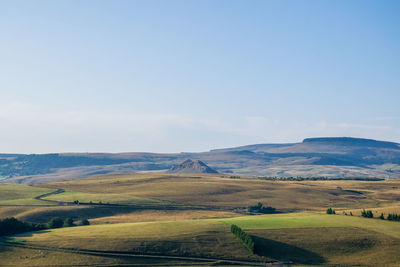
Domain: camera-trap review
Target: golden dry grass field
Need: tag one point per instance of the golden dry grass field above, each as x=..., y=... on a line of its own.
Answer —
x=190, y=215
x=218, y=191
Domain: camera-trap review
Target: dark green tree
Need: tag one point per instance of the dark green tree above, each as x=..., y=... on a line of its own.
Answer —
x=330, y=211
x=56, y=222
x=69, y=222
x=367, y=214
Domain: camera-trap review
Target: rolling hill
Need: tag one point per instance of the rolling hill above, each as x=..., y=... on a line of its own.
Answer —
x=333, y=157
x=191, y=166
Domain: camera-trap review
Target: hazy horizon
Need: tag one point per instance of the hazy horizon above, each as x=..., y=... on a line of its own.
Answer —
x=190, y=76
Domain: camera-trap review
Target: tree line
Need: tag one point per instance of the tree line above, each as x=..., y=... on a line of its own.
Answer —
x=390, y=216
x=243, y=237
x=322, y=178
x=393, y=217
x=11, y=226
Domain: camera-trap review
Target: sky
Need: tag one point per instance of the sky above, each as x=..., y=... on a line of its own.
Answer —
x=186, y=76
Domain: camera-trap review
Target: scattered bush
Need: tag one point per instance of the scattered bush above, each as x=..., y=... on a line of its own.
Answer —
x=243, y=237
x=382, y=217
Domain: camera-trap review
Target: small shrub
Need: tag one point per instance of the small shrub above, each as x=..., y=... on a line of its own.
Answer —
x=56, y=222
x=330, y=211
x=69, y=222
x=85, y=222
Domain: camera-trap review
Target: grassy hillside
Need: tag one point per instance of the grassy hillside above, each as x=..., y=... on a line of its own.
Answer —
x=312, y=220
x=319, y=239
x=163, y=215
x=219, y=191
x=194, y=237
x=21, y=257
x=303, y=238
x=191, y=214
x=337, y=246
x=11, y=194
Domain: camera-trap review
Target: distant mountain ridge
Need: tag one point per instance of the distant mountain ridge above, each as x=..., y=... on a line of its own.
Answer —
x=324, y=156
x=353, y=141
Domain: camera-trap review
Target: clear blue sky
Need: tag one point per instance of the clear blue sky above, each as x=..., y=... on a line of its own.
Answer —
x=171, y=76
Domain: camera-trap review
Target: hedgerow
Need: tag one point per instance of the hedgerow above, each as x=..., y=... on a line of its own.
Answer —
x=243, y=237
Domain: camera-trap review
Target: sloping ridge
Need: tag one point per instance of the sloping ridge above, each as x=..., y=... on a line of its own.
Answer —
x=191, y=166
x=351, y=141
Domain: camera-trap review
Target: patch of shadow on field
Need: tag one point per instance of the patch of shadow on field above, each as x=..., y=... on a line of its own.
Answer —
x=75, y=212
x=4, y=249
x=26, y=234
x=285, y=252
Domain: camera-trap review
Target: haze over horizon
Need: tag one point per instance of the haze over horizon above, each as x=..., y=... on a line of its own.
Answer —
x=177, y=76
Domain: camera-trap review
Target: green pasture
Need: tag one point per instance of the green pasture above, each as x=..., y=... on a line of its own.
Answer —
x=21, y=194
x=312, y=220
x=304, y=238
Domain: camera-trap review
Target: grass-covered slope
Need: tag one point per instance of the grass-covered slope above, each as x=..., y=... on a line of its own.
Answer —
x=299, y=237
x=324, y=239
x=312, y=220
x=201, y=238
x=22, y=257
x=210, y=190
x=190, y=215
x=12, y=194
